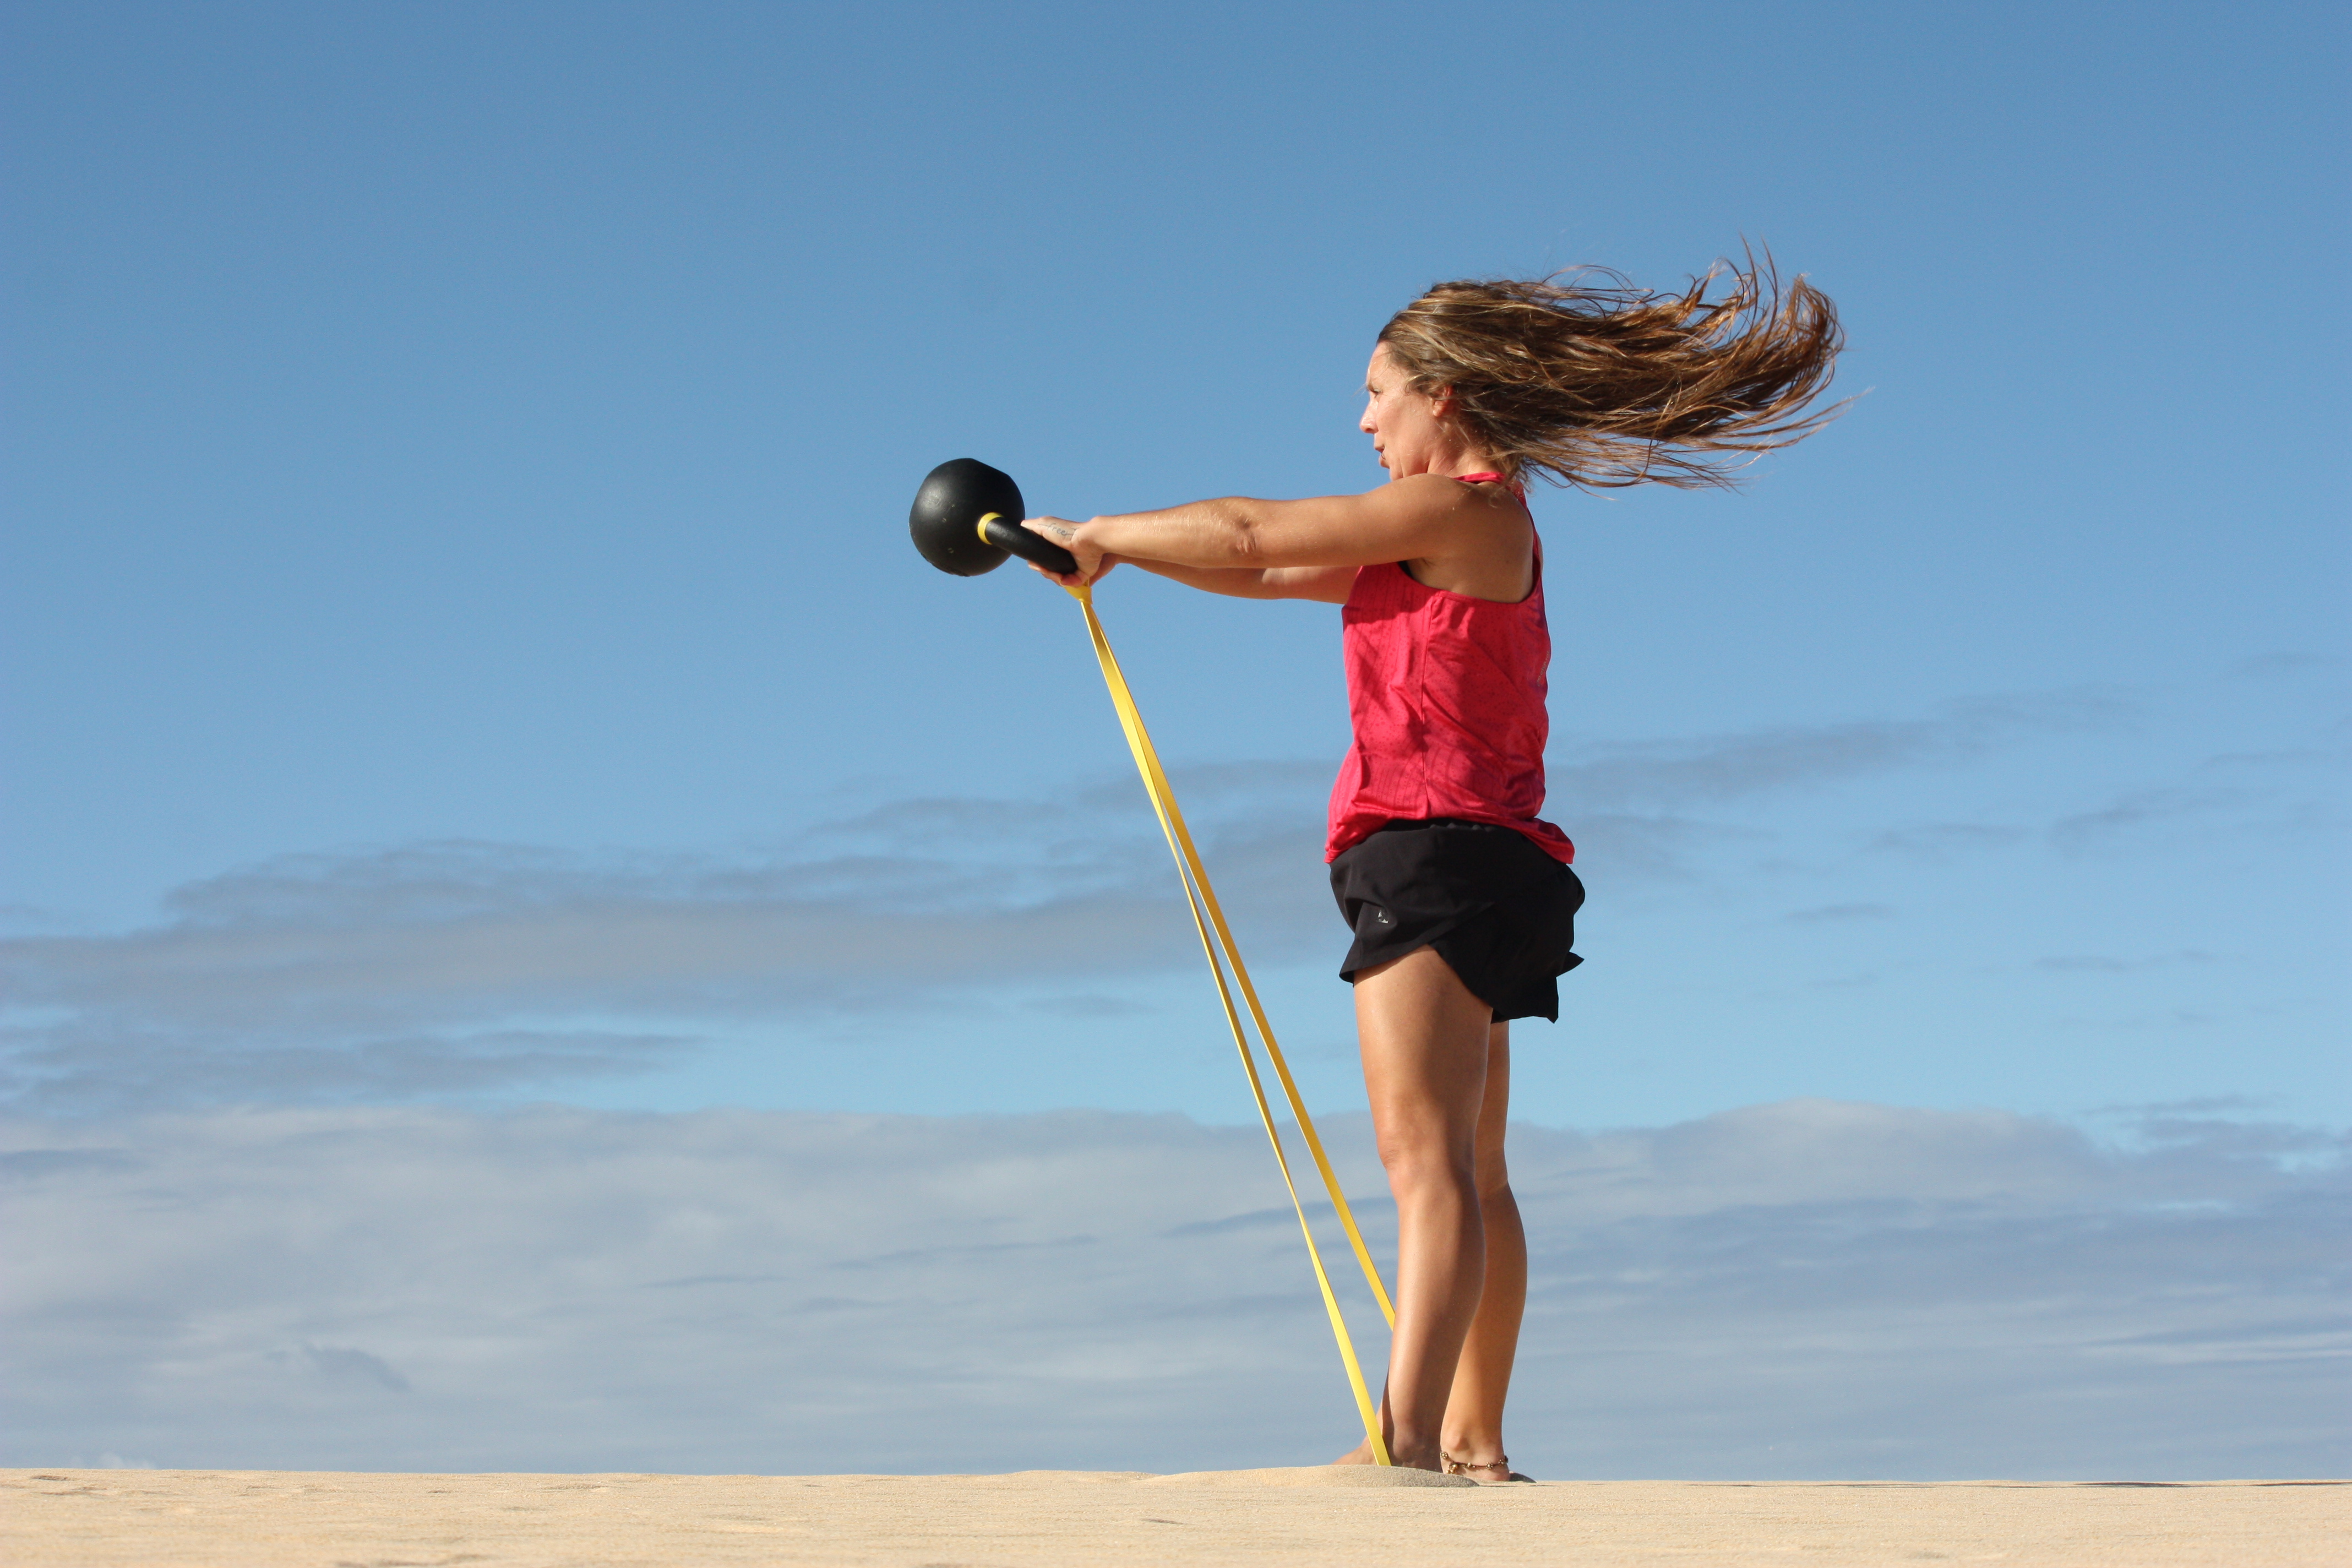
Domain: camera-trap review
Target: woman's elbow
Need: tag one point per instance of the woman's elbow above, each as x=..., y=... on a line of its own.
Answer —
x=1244, y=543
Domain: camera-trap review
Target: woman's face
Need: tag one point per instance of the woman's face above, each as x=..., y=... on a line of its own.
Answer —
x=1407, y=427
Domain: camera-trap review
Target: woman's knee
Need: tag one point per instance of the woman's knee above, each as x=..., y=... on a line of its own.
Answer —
x=1419, y=1165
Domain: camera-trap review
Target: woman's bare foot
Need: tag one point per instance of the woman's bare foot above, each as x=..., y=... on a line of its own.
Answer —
x=1362, y=1455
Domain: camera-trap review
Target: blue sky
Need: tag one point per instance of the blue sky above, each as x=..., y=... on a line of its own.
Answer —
x=462, y=652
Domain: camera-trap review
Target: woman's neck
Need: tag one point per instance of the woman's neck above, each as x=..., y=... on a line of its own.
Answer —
x=1465, y=464
x=1451, y=462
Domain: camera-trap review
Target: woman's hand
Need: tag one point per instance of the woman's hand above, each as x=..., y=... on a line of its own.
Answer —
x=1093, y=564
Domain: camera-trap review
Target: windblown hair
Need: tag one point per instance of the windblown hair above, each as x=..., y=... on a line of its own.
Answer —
x=1589, y=380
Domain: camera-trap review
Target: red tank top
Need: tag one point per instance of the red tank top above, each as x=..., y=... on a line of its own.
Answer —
x=1446, y=696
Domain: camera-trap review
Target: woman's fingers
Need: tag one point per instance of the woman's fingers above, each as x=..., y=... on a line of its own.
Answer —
x=1078, y=579
x=1067, y=534
x=1066, y=579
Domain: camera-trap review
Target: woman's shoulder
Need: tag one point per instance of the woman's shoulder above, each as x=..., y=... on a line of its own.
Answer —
x=1447, y=493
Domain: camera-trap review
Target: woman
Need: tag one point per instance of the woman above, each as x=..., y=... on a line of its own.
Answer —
x=1461, y=899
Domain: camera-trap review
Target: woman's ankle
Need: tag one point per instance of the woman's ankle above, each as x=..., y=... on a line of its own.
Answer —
x=1474, y=1450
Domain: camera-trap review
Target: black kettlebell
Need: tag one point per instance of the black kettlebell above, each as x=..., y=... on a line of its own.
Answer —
x=967, y=519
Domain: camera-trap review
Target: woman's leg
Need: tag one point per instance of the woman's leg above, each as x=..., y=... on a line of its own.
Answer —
x=1474, y=1414
x=1425, y=1040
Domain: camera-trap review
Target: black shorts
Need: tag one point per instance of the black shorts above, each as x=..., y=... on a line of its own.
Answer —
x=1500, y=911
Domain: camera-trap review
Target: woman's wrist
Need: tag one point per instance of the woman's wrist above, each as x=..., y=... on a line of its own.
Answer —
x=1097, y=534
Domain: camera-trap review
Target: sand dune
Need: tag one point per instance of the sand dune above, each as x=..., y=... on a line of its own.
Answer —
x=1299, y=1517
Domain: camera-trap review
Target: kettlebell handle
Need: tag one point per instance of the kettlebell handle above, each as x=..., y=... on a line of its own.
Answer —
x=1007, y=534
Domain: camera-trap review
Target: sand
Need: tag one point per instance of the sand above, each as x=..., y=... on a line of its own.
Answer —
x=1299, y=1517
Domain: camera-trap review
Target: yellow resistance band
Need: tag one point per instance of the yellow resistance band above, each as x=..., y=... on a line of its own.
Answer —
x=1208, y=917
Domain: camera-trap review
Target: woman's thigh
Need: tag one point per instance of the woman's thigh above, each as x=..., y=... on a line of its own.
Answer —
x=1426, y=1044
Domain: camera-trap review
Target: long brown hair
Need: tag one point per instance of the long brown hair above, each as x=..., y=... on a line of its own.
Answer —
x=1589, y=381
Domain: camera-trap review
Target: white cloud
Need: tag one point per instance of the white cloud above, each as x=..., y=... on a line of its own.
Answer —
x=2273, y=666
x=1714, y=768
x=1806, y=1289
x=466, y=968
x=2102, y=963
x=2138, y=809
x=1943, y=841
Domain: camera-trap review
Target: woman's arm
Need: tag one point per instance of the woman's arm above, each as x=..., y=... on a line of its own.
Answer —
x=1421, y=518
x=1328, y=584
